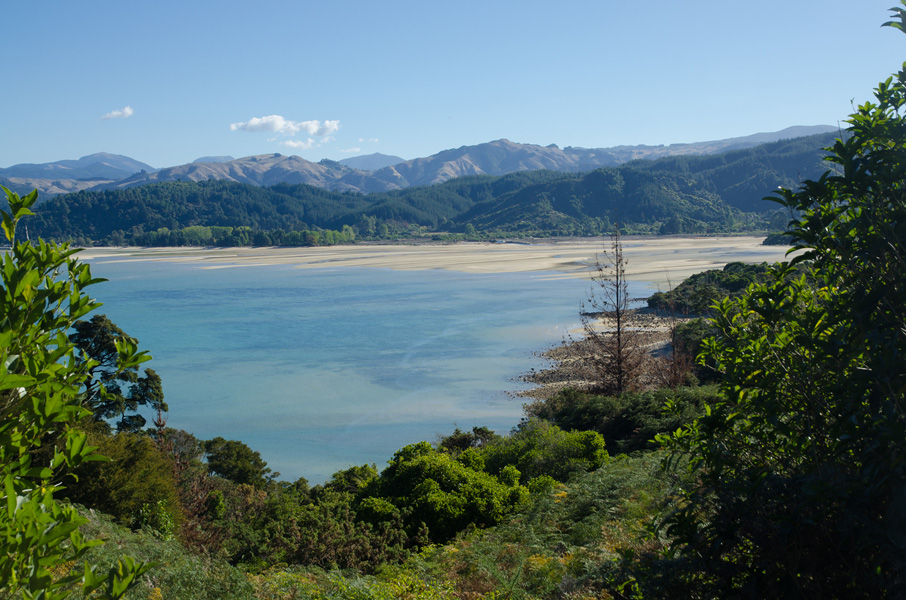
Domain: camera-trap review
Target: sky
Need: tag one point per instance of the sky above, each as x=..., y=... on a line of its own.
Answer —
x=168, y=82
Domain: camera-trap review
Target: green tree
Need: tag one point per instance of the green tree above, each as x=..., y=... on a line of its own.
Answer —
x=42, y=382
x=444, y=494
x=107, y=393
x=800, y=472
x=459, y=440
x=233, y=460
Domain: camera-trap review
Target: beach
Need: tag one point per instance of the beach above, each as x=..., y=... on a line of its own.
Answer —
x=664, y=261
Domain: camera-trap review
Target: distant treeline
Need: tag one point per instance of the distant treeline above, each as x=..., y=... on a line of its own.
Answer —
x=200, y=235
x=687, y=194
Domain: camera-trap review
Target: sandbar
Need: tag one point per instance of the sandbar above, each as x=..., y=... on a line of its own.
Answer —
x=665, y=261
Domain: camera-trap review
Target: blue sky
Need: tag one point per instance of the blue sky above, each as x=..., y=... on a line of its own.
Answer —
x=167, y=82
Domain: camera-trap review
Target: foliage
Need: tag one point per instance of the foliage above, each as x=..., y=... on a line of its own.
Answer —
x=179, y=573
x=691, y=335
x=390, y=583
x=628, y=423
x=740, y=177
x=282, y=526
x=459, y=441
x=137, y=475
x=538, y=448
x=800, y=472
x=696, y=294
x=778, y=238
x=107, y=396
x=41, y=383
x=564, y=544
x=237, y=462
x=434, y=490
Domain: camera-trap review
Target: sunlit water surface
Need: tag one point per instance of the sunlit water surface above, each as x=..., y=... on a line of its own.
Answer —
x=320, y=369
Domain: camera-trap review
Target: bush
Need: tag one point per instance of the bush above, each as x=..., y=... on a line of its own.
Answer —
x=137, y=476
x=434, y=489
x=629, y=423
x=539, y=448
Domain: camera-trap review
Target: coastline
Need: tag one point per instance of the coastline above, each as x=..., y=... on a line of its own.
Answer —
x=664, y=261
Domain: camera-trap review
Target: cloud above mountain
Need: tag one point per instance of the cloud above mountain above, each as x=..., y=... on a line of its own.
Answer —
x=283, y=126
x=122, y=113
x=298, y=144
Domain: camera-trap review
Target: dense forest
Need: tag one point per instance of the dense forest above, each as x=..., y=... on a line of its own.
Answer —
x=693, y=194
x=782, y=476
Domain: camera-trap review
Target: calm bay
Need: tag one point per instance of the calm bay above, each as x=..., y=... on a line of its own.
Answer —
x=323, y=368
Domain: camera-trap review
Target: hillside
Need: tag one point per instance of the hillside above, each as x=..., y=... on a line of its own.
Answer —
x=691, y=194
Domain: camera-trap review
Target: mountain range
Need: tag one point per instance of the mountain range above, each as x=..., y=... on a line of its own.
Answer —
x=363, y=174
x=720, y=192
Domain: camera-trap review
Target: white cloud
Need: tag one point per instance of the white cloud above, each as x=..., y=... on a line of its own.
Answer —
x=119, y=114
x=348, y=150
x=329, y=127
x=299, y=145
x=283, y=126
x=368, y=140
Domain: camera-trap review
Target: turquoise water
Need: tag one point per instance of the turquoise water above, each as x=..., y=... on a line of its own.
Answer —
x=320, y=369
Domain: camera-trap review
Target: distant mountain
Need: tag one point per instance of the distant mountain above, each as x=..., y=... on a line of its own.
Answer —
x=628, y=153
x=213, y=159
x=365, y=174
x=493, y=158
x=264, y=170
x=47, y=188
x=371, y=162
x=65, y=176
x=93, y=166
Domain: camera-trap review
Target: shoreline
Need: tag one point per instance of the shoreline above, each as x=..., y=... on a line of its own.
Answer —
x=567, y=361
x=663, y=261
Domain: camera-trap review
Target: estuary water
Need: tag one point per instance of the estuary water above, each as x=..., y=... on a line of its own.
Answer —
x=321, y=369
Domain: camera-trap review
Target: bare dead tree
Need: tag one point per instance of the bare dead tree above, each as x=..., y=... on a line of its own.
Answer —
x=613, y=345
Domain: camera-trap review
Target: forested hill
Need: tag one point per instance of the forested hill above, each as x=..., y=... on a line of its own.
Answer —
x=741, y=177
x=670, y=195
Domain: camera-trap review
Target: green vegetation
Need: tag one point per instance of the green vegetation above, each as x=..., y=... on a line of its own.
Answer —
x=106, y=394
x=40, y=411
x=798, y=470
x=696, y=294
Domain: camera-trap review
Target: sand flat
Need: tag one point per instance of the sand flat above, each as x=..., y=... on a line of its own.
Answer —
x=662, y=260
